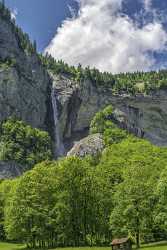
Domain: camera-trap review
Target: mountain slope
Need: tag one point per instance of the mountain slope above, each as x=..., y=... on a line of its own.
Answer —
x=24, y=83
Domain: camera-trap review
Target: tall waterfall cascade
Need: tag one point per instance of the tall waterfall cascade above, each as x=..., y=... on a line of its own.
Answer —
x=59, y=147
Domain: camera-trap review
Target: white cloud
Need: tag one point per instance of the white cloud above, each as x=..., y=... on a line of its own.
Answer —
x=147, y=4
x=14, y=13
x=101, y=36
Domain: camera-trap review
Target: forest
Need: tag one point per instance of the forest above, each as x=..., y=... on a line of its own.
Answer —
x=23, y=144
x=87, y=201
x=122, y=83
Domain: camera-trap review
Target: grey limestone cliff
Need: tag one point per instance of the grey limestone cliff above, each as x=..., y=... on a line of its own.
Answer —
x=90, y=145
x=10, y=170
x=145, y=116
x=24, y=85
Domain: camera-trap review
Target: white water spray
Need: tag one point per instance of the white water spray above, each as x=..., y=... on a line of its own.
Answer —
x=59, y=147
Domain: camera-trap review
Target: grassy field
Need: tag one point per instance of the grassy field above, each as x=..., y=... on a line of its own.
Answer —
x=7, y=246
x=160, y=246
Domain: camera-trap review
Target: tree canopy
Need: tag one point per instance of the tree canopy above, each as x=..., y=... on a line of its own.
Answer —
x=103, y=123
x=23, y=144
x=76, y=202
x=122, y=83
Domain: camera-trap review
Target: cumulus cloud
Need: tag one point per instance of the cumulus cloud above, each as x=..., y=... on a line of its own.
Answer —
x=14, y=13
x=102, y=36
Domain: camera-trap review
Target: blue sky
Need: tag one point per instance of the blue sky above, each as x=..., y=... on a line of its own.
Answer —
x=112, y=35
x=40, y=18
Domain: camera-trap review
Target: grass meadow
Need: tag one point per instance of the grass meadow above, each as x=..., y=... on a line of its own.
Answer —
x=155, y=246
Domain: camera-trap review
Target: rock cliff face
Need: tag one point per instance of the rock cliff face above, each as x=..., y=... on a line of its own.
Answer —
x=90, y=145
x=24, y=86
x=10, y=170
x=145, y=116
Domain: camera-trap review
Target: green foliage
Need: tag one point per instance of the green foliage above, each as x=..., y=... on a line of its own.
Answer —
x=102, y=123
x=76, y=202
x=129, y=83
x=29, y=214
x=160, y=213
x=59, y=67
x=114, y=135
x=8, y=62
x=5, y=188
x=53, y=204
x=134, y=197
x=23, y=144
x=102, y=120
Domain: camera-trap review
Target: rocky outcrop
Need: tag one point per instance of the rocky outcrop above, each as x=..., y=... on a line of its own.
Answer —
x=91, y=145
x=10, y=170
x=24, y=85
x=145, y=116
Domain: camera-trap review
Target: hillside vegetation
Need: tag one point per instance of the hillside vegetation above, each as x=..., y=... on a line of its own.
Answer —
x=23, y=144
x=78, y=202
x=131, y=83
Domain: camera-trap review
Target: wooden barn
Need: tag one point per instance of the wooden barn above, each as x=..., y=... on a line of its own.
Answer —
x=122, y=244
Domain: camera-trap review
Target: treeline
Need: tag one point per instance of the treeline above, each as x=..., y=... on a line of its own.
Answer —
x=89, y=201
x=131, y=83
x=23, y=38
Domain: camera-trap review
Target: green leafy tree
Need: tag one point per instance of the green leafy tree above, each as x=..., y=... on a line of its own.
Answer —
x=114, y=135
x=29, y=212
x=5, y=191
x=21, y=143
x=134, y=197
x=161, y=208
x=129, y=83
x=102, y=120
x=102, y=123
x=78, y=202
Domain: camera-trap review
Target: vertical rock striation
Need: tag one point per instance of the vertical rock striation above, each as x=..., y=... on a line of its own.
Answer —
x=144, y=116
x=24, y=83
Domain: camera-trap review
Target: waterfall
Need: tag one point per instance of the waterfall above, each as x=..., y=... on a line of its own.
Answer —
x=59, y=147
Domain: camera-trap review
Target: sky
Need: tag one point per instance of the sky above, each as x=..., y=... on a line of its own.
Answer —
x=40, y=18
x=112, y=35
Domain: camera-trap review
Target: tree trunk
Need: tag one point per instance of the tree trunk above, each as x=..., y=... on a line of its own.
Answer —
x=137, y=233
x=137, y=240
